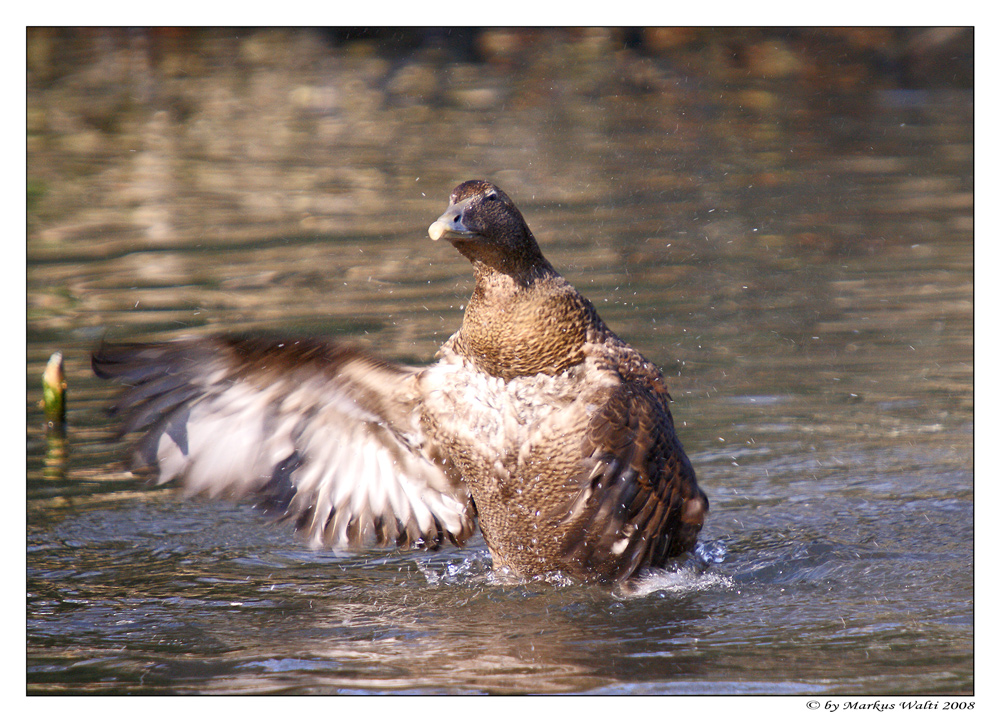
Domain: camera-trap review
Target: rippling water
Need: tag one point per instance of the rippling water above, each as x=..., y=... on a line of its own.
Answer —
x=809, y=294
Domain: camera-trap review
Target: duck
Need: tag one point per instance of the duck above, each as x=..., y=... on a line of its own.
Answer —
x=535, y=423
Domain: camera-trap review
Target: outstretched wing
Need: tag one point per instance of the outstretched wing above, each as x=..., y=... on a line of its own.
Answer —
x=319, y=433
x=639, y=503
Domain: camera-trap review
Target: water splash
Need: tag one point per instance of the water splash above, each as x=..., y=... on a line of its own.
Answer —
x=472, y=568
x=689, y=575
x=708, y=553
x=676, y=581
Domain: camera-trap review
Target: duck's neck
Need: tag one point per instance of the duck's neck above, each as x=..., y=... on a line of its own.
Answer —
x=525, y=325
x=494, y=283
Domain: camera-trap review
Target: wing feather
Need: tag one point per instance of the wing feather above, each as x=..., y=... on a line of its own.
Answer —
x=319, y=433
x=638, y=502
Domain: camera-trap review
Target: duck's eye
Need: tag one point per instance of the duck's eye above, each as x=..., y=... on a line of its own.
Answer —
x=491, y=196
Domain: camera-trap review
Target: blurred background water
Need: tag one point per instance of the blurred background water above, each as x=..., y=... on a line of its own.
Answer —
x=782, y=219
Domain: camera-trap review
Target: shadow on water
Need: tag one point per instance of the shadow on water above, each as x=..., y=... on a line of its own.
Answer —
x=798, y=260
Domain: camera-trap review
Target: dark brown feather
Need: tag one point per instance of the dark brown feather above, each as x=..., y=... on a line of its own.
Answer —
x=636, y=491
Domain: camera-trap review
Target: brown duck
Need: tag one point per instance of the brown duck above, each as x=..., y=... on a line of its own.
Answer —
x=536, y=419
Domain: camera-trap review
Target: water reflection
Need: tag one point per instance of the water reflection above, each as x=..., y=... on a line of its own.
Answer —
x=372, y=623
x=799, y=262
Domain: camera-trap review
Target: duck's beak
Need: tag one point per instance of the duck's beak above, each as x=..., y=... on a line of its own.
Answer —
x=450, y=225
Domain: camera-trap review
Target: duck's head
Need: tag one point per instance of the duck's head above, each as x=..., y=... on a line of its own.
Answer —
x=486, y=227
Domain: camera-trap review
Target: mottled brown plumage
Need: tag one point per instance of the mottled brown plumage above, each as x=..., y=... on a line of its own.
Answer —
x=536, y=419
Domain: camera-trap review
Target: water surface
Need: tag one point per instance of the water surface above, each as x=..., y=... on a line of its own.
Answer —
x=804, y=280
